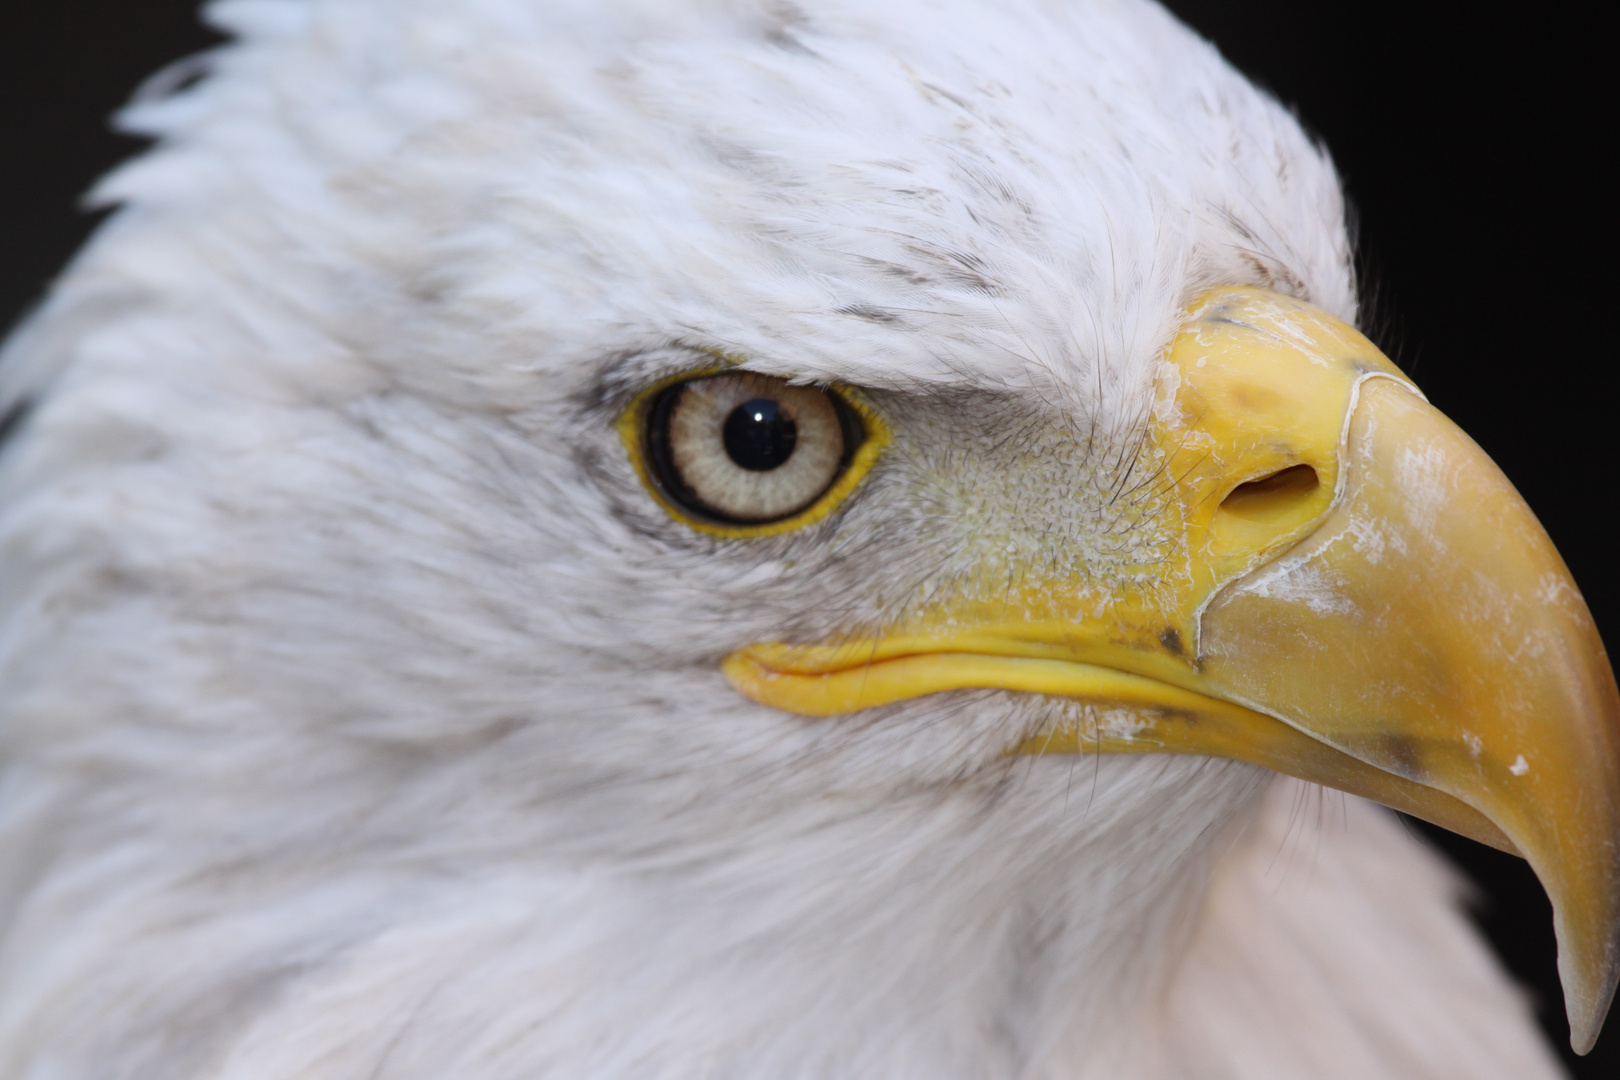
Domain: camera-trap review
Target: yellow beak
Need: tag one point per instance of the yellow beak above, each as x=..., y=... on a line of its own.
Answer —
x=1358, y=598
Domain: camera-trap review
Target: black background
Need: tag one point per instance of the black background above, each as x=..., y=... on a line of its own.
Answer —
x=1470, y=148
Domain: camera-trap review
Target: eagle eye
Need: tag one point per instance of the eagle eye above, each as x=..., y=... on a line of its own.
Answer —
x=742, y=449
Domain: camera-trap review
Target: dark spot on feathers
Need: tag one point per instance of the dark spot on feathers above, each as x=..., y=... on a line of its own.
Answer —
x=13, y=420
x=969, y=261
x=960, y=268
x=940, y=91
x=1273, y=275
x=895, y=270
x=871, y=314
x=787, y=20
x=1237, y=224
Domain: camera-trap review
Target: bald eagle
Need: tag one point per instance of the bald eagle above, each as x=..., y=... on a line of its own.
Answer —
x=645, y=539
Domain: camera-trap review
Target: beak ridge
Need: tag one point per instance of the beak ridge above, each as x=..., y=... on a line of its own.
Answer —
x=1427, y=627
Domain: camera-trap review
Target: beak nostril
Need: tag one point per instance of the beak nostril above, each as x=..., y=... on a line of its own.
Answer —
x=1269, y=497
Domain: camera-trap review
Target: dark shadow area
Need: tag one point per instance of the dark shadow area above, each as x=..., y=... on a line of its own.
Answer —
x=65, y=67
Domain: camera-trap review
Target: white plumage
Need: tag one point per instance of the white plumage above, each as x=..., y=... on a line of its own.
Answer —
x=361, y=710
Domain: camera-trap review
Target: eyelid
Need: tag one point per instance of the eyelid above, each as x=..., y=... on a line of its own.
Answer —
x=632, y=429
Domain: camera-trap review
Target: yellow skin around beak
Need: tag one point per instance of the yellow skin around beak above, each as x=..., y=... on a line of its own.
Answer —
x=1361, y=599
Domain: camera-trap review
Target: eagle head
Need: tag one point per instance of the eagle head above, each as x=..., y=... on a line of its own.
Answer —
x=739, y=538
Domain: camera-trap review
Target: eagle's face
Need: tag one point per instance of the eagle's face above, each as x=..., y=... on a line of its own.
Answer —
x=753, y=454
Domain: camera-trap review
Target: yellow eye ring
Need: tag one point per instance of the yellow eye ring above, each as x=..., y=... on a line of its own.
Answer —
x=634, y=427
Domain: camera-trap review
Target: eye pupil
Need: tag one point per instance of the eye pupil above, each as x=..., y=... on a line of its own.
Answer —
x=759, y=435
